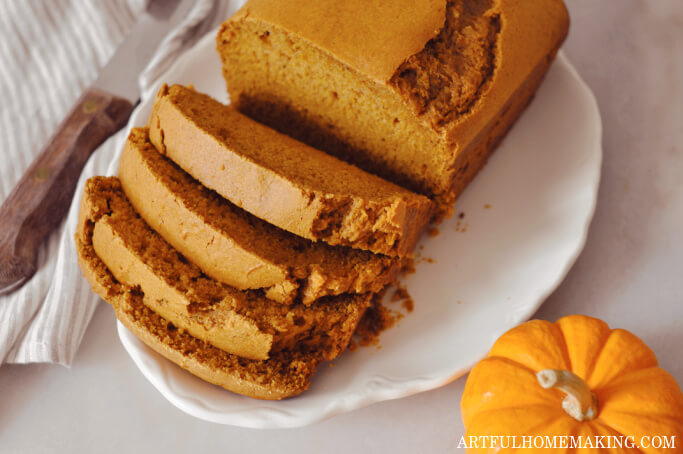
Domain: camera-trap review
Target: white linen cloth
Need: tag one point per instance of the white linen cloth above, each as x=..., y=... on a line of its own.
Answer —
x=50, y=51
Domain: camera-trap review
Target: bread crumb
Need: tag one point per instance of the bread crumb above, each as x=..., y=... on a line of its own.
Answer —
x=408, y=304
x=377, y=319
x=426, y=260
x=408, y=266
x=487, y=206
x=401, y=294
x=433, y=231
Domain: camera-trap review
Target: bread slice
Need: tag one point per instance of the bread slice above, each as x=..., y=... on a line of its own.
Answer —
x=282, y=181
x=419, y=93
x=285, y=374
x=244, y=323
x=233, y=246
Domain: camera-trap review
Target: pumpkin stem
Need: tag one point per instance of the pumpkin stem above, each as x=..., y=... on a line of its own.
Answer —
x=580, y=402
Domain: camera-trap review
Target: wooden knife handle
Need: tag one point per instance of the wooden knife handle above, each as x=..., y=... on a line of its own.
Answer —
x=43, y=195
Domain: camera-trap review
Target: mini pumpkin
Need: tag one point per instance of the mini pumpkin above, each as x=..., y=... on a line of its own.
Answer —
x=575, y=377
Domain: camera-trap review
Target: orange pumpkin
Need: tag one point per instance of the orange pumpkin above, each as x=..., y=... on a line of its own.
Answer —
x=576, y=377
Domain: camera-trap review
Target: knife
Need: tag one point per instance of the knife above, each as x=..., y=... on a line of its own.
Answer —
x=43, y=195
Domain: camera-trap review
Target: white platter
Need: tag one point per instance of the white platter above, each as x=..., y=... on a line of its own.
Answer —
x=526, y=220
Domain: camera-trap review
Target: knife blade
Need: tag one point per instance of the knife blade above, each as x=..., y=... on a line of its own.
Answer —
x=139, y=46
x=43, y=195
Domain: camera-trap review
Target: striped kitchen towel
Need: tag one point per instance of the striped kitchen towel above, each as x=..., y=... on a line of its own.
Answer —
x=51, y=50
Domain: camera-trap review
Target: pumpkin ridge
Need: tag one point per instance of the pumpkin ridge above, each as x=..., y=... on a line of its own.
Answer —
x=625, y=377
x=513, y=363
x=565, y=349
x=540, y=336
x=594, y=361
x=638, y=365
x=673, y=408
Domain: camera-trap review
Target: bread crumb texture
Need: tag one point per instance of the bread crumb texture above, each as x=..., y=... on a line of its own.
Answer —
x=445, y=79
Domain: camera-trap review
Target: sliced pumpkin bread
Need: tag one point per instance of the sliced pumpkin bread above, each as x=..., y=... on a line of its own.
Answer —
x=285, y=374
x=282, y=181
x=244, y=323
x=233, y=246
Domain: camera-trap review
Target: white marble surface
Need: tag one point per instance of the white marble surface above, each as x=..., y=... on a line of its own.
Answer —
x=630, y=274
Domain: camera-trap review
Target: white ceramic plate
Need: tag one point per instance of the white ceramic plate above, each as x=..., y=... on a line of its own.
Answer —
x=526, y=219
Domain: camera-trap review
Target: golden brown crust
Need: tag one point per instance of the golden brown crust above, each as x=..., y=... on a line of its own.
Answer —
x=233, y=246
x=388, y=32
x=426, y=115
x=282, y=181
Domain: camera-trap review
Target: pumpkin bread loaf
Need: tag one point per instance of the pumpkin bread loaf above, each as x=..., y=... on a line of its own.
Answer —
x=285, y=374
x=282, y=181
x=233, y=246
x=244, y=323
x=419, y=93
